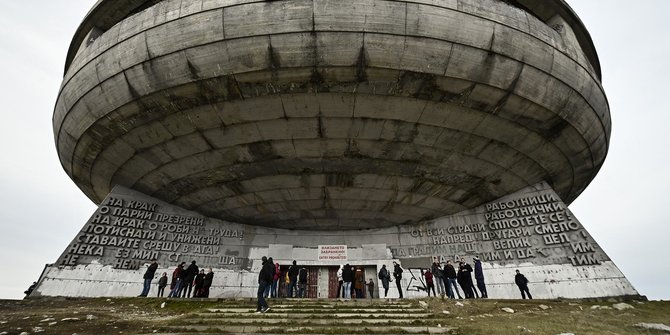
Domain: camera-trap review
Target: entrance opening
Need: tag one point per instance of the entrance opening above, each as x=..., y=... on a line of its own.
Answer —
x=312, y=289
x=335, y=290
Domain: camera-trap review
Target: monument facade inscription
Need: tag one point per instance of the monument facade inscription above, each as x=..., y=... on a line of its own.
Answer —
x=127, y=233
x=538, y=229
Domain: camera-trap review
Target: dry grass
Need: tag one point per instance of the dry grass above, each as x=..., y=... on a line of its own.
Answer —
x=568, y=316
x=144, y=315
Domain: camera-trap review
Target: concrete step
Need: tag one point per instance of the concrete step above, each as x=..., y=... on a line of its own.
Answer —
x=343, y=305
x=273, y=314
x=320, y=310
x=314, y=329
x=263, y=320
x=311, y=317
x=303, y=301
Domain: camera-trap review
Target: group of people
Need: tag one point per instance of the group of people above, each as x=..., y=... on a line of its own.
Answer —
x=385, y=277
x=295, y=278
x=447, y=279
x=185, y=283
x=351, y=283
x=194, y=282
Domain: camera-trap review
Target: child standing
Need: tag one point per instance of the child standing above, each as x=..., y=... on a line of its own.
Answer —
x=371, y=289
x=162, y=283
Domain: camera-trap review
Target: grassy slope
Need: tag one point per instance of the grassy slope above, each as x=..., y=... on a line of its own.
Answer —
x=133, y=315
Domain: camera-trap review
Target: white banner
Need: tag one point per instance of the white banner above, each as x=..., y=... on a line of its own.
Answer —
x=332, y=253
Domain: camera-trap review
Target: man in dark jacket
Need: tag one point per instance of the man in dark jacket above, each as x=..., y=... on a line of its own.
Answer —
x=207, y=283
x=450, y=280
x=397, y=275
x=439, y=277
x=162, y=283
x=479, y=277
x=465, y=280
x=182, y=279
x=148, y=276
x=385, y=277
x=264, y=279
x=522, y=283
x=347, y=278
x=198, y=283
x=191, y=272
x=302, y=282
x=470, y=270
x=293, y=278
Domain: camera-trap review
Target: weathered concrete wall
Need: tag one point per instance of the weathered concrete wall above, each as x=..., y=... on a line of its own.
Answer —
x=531, y=230
x=331, y=114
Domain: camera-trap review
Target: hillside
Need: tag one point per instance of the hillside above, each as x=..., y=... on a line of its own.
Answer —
x=320, y=316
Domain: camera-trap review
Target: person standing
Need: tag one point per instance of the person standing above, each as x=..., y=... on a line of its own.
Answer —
x=191, y=272
x=287, y=283
x=465, y=280
x=198, y=282
x=275, y=281
x=162, y=283
x=182, y=280
x=148, y=277
x=176, y=280
x=293, y=277
x=479, y=277
x=176, y=275
x=522, y=282
x=267, y=293
x=439, y=277
x=30, y=289
x=397, y=275
x=469, y=281
x=264, y=279
x=429, y=281
x=450, y=280
x=371, y=289
x=340, y=294
x=385, y=277
x=359, y=282
x=207, y=283
x=302, y=282
x=347, y=278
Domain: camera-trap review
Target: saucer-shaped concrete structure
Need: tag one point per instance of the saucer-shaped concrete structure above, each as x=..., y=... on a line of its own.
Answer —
x=331, y=114
x=332, y=132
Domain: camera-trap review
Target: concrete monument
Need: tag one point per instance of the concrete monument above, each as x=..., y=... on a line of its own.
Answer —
x=332, y=132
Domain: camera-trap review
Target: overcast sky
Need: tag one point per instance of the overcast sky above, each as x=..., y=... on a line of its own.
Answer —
x=624, y=208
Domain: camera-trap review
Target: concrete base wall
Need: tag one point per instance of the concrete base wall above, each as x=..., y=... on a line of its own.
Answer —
x=546, y=282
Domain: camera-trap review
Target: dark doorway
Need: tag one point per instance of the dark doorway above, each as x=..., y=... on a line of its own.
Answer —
x=333, y=283
x=312, y=290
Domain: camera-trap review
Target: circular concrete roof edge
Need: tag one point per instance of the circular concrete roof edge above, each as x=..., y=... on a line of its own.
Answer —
x=106, y=13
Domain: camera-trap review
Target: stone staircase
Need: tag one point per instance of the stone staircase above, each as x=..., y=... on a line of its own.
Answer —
x=314, y=316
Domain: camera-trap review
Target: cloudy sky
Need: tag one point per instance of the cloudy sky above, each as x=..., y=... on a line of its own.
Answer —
x=41, y=209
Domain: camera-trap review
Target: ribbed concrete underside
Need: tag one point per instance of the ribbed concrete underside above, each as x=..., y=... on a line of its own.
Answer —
x=331, y=114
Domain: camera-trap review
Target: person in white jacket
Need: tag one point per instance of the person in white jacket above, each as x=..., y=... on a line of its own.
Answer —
x=340, y=294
